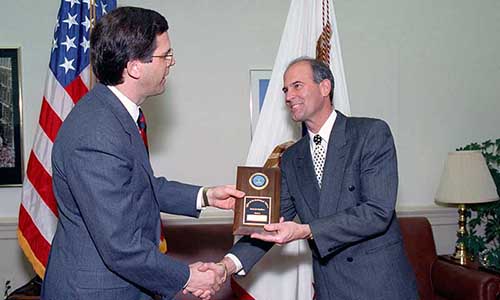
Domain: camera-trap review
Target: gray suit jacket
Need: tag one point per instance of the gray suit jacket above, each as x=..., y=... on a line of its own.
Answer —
x=357, y=247
x=109, y=202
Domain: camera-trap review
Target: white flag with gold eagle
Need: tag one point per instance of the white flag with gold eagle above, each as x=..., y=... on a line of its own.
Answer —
x=286, y=272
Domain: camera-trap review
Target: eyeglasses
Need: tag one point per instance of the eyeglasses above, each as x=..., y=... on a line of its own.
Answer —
x=168, y=57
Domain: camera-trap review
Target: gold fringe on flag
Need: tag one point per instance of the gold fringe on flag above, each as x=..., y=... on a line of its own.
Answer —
x=323, y=45
x=38, y=266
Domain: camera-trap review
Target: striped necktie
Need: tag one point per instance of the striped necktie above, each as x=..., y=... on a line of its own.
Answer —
x=141, y=123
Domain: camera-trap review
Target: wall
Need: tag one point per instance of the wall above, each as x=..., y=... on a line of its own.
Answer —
x=430, y=68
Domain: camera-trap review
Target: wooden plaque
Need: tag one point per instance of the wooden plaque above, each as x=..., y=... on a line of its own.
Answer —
x=261, y=204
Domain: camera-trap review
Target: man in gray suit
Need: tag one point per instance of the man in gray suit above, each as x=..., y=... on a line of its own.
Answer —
x=109, y=201
x=341, y=180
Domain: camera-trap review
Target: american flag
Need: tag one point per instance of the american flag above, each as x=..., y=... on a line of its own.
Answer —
x=68, y=80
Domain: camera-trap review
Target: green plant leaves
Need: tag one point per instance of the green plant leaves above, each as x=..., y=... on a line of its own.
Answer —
x=486, y=215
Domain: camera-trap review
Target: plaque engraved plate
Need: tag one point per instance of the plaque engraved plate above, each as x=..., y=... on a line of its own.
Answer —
x=261, y=204
x=257, y=210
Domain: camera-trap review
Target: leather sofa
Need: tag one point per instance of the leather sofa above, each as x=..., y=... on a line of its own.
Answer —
x=439, y=279
x=436, y=279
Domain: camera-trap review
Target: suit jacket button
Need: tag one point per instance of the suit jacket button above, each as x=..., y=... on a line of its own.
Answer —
x=350, y=259
x=351, y=188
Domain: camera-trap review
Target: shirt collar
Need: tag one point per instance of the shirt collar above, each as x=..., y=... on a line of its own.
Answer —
x=325, y=130
x=130, y=106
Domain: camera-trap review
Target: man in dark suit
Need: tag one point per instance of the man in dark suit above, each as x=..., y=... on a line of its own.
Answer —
x=109, y=201
x=341, y=180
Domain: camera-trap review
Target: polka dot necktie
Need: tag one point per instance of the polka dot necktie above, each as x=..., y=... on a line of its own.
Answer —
x=319, y=155
x=141, y=123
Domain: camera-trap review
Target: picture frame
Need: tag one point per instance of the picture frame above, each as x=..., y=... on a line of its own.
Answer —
x=259, y=81
x=11, y=161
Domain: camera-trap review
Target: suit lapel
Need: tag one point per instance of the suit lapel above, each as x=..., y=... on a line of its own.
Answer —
x=333, y=171
x=116, y=107
x=306, y=177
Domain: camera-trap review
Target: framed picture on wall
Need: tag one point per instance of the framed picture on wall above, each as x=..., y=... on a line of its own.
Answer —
x=259, y=81
x=11, y=165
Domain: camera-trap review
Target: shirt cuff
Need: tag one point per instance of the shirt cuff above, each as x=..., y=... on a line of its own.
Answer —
x=189, y=278
x=237, y=263
x=199, y=200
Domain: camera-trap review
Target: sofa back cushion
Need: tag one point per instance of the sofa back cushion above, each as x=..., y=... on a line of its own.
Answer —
x=196, y=242
x=421, y=251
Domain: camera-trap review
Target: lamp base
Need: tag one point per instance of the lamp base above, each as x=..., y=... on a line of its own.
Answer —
x=460, y=256
x=460, y=252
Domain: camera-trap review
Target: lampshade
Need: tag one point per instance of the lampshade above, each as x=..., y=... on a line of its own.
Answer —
x=466, y=179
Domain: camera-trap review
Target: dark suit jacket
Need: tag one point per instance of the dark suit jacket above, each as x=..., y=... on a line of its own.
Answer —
x=357, y=247
x=109, y=202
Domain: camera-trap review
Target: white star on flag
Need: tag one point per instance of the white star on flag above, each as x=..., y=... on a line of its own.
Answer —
x=88, y=3
x=85, y=44
x=57, y=25
x=104, y=8
x=54, y=44
x=67, y=65
x=73, y=2
x=69, y=43
x=86, y=23
x=71, y=20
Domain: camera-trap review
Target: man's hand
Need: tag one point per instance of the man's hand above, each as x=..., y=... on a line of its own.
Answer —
x=224, y=269
x=223, y=196
x=202, y=284
x=283, y=232
x=218, y=268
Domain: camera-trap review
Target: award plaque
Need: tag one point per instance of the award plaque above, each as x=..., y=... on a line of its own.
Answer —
x=261, y=204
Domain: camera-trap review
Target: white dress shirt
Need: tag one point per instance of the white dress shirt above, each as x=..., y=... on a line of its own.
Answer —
x=324, y=132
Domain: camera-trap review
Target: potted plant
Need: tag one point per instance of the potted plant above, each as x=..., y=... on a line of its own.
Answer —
x=482, y=240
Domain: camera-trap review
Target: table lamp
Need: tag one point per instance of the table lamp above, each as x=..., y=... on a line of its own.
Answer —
x=465, y=180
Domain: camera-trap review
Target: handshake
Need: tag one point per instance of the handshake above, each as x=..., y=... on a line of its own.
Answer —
x=207, y=278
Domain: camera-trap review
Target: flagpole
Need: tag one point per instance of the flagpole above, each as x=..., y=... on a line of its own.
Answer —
x=92, y=22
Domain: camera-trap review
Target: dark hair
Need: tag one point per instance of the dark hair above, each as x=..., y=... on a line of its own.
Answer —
x=320, y=70
x=125, y=34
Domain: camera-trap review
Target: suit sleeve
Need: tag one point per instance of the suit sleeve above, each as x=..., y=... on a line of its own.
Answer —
x=176, y=198
x=249, y=251
x=100, y=174
x=374, y=210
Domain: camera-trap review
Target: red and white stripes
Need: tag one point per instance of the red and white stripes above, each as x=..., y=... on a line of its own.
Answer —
x=38, y=212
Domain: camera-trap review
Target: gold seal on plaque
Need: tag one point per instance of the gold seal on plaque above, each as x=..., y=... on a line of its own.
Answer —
x=258, y=181
x=261, y=204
